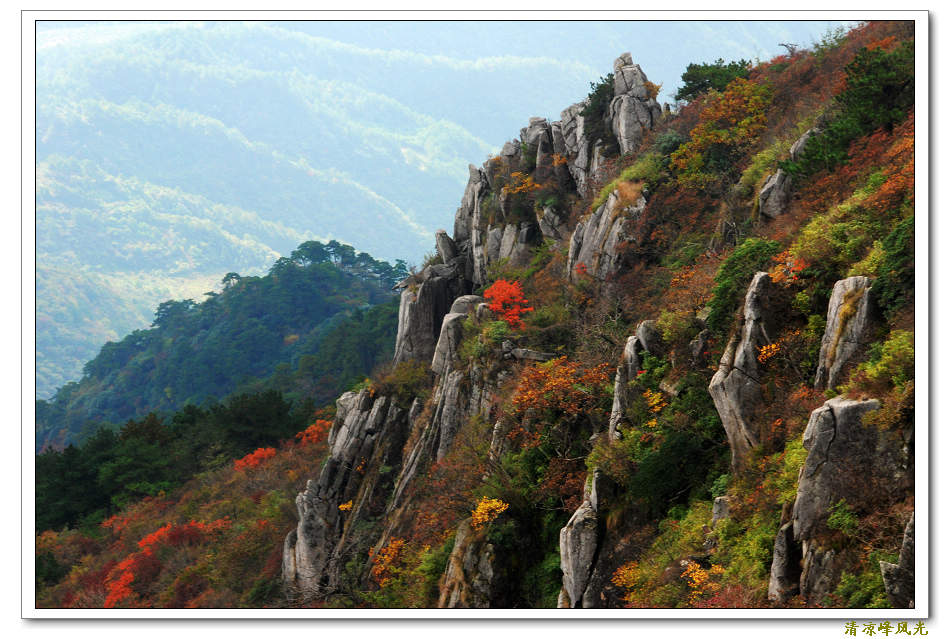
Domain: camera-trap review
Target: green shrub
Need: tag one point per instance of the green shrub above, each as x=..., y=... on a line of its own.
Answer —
x=668, y=141
x=719, y=486
x=842, y=518
x=733, y=278
x=891, y=362
x=865, y=589
x=595, y=126
x=878, y=93
x=895, y=286
x=700, y=78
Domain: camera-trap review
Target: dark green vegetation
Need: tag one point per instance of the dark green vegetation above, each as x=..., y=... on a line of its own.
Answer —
x=700, y=78
x=880, y=89
x=318, y=321
x=82, y=485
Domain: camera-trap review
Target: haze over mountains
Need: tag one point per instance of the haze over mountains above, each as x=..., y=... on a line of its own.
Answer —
x=170, y=154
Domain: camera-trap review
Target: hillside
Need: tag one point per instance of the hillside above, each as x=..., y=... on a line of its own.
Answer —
x=665, y=359
x=315, y=323
x=169, y=154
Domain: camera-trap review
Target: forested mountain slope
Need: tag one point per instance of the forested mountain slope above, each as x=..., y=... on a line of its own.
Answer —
x=664, y=359
x=318, y=321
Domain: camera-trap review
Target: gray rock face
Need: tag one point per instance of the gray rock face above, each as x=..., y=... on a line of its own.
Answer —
x=421, y=309
x=899, y=577
x=720, y=509
x=839, y=449
x=786, y=569
x=579, y=540
x=735, y=387
x=364, y=429
x=799, y=146
x=467, y=215
x=459, y=395
x=578, y=543
x=530, y=355
x=552, y=224
x=647, y=339
x=472, y=578
x=632, y=112
x=450, y=338
x=847, y=331
x=445, y=246
x=595, y=240
x=773, y=198
x=466, y=304
x=864, y=467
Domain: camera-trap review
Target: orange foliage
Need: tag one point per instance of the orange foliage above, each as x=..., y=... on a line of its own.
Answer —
x=486, y=511
x=521, y=184
x=315, y=433
x=253, y=460
x=561, y=386
x=507, y=300
x=386, y=560
x=730, y=121
x=787, y=268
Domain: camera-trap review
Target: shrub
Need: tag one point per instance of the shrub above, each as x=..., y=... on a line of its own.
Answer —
x=403, y=382
x=507, y=300
x=891, y=362
x=595, y=113
x=700, y=78
x=729, y=124
x=895, y=286
x=732, y=279
x=879, y=90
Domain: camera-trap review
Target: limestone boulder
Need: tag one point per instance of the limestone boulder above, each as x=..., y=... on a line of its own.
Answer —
x=473, y=577
x=848, y=330
x=735, y=387
x=775, y=193
x=594, y=247
x=899, y=577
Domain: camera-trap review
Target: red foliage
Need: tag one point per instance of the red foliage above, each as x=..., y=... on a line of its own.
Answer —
x=507, y=300
x=315, y=432
x=253, y=460
x=143, y=567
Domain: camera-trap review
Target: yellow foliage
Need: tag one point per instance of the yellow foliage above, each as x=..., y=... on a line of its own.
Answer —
x=487, y=511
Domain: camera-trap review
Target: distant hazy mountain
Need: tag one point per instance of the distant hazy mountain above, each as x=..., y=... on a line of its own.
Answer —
x=170, y=154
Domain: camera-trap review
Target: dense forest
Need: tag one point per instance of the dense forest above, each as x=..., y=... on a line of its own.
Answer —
x=665, y=360
x=317, y=322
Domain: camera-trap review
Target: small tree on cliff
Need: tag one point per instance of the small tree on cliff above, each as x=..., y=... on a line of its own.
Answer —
x=507, y=300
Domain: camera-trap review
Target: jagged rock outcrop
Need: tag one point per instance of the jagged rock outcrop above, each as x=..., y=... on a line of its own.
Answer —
x=773, y=198
x=735, y=388
x=720, y=509
x=450, y=338
x=786, y=565
x=422, y=306
x=847, y=461
x=445, y=246
x=776, y=192
x=847, y=331
x=796, y=150
x=595, y=241
x=553, y=224
x=474, y=577
x=899, y=577
x=579, y=540
x=367, y=433
x=647, y=339
x=633, y=111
